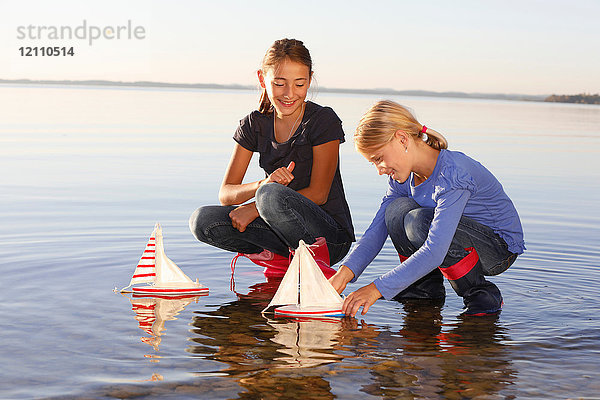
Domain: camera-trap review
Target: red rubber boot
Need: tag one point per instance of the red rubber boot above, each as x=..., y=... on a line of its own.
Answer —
x=276, y=265
x=480, y=296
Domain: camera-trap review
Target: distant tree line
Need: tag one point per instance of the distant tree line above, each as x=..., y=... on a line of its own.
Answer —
x=584, y=98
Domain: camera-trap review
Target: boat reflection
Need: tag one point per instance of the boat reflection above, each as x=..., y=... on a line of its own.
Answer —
x=238, y=333
x=306, y=342
x=257, y=352
x=152, y=312
x=426, y=356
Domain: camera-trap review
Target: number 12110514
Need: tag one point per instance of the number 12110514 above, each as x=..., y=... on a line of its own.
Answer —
x=46, y=51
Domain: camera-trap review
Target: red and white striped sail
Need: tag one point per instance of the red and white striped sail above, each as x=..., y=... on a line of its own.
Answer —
x=163, y=275
x=145, y=272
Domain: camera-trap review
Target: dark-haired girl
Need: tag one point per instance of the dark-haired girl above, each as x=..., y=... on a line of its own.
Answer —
x=301, y=196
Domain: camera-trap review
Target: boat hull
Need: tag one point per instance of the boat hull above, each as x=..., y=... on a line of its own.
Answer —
x=295, y=310
x=166, y=291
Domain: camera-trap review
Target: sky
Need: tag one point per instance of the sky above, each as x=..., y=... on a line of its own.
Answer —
x=519, y=47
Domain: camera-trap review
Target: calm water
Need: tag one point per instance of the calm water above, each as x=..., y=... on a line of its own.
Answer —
x=86, y=172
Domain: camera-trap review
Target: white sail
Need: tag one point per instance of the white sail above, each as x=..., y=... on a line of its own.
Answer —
x=315, y=289
x=287, y=293
x=168, y=273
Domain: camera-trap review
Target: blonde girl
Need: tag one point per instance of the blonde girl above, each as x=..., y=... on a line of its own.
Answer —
x=446, y=214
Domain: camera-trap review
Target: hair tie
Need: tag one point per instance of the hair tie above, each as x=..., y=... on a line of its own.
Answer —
x=423, y=133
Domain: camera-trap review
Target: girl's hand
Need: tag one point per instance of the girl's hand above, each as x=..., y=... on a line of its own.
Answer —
x=341, y=278
x=281, y=175
x=363, y=297
x=243, y=215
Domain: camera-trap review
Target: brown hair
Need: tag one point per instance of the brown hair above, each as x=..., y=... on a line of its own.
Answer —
x=279, y=51
x=378, y=126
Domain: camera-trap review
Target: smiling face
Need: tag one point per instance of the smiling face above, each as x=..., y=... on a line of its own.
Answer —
x=286, y=86
x=392, y=158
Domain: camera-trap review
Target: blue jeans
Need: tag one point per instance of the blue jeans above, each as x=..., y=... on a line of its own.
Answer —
x=286, y=217
x=408, y=226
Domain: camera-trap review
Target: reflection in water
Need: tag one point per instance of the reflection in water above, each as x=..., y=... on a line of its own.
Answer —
x=428, y=358
x=307, y=342
x=476, y=361
x=152, y=312
x=424, y=358
x=259, y=351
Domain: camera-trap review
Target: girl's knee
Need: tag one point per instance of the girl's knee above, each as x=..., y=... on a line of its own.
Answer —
x=269, y=197
x=202, y=218
x=194, y=223
x=397, y=210
x=416, y=225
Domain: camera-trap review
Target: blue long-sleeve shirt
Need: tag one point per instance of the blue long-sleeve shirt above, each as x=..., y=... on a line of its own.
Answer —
x=458, y=186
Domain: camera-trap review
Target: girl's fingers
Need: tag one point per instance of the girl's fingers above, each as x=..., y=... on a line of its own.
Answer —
x=282, y=175
x=366, y=307
x=355, y=307
x=345, y=305
x=286, y=173
x=363, y=297
x=348, y=304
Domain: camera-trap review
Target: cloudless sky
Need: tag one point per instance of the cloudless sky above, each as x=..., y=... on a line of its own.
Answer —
x=526, y=46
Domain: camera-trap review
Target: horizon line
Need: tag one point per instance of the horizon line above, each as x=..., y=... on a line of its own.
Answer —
x=456, y=94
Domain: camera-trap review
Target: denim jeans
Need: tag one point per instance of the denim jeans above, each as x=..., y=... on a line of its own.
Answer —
x=286, y=217
x=408, y=226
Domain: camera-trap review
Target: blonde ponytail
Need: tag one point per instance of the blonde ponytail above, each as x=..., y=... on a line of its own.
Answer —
x=379, y=124
x=433, y=138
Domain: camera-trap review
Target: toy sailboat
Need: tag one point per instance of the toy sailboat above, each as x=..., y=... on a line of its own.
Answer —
x=165, y=278
x=316, y=297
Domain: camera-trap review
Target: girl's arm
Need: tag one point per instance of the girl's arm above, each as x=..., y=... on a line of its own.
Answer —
x=324, y=165
x=446, y=217
x=232, y=191
x=370, y=243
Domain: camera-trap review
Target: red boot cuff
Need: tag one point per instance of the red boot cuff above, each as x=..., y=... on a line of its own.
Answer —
x=462, y=267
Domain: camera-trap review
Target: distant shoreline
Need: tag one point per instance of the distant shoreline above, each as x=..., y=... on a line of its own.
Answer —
x=460, y=95
x=583, y=98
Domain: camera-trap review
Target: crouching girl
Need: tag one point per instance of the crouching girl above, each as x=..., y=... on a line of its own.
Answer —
x=302, y=195
x=446, y=214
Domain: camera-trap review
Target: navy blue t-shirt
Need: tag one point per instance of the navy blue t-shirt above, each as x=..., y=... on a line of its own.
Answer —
x=319, y=125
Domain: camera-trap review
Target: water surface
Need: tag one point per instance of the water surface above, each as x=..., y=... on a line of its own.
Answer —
x=86, y=172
